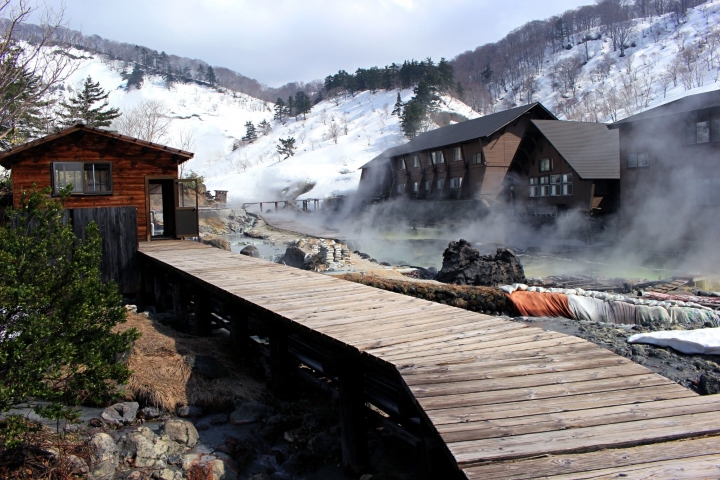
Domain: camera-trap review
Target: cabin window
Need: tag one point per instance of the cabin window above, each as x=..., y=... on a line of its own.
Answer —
x=440, y=183
x=85, y=177
x=546, y=165
x=476, y=159
x=415, y=187
x=401, y=188
x=703, y=132
x=416, y=161
x=567, y=185
x=635, y=160
x=437, y=157
x=555, y=185
x=427, y=185
x=715, y=130
x=457, y=154
x=534, y=190
x=456, y=182
x=401, y=164
x=544, y=186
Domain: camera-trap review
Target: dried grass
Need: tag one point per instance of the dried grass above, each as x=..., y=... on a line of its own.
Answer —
x=161, y=377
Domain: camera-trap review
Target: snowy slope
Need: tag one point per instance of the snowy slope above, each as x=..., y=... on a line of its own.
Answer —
x=608, y=88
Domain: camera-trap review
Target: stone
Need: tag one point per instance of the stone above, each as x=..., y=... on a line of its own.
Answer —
x=217, y=242
x=76, y=465
x=709, y=384
x=293, y=257
x=104, y=452
x=463, y=265
x=218, y=419
x=189, y=411
x=120, y=413
x=150, y=412
x=250, y=251
x=200, y=466
x=207, y=366
x=248, y=412
x=181, y=431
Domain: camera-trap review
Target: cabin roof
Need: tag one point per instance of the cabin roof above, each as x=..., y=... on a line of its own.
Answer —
x=690, y=103
x=591, y=149
x=6, y=157
x=457, y=133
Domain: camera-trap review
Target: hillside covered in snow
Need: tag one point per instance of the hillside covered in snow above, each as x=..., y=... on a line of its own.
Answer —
x=665, y=59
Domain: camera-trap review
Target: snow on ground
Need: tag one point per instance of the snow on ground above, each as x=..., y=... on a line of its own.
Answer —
x=324, y=166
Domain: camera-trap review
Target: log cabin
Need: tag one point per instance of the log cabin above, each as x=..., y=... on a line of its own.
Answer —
x=467, y=160
x=668, y=159
x=106, y=169
x=564, y=166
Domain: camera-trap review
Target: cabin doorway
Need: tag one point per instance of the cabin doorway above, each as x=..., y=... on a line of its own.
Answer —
x=172, y=208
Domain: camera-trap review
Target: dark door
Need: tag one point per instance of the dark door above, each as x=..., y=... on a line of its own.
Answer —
x=186, y=208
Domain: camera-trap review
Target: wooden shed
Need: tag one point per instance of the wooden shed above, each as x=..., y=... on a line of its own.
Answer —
x=107, y=169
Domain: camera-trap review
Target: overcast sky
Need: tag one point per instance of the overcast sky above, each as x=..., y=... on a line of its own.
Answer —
x=278, y=41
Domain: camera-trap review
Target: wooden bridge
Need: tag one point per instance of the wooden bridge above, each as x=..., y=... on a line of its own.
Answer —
x=478, y=396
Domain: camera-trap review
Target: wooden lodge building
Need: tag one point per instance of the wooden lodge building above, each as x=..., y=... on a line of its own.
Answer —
x=129, y=187
x=669, y=158
x=523, y=157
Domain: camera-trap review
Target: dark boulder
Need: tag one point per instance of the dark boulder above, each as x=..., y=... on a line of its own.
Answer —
x=463, y=265
x=293, y=257
x=709, y=384
x=250, y=251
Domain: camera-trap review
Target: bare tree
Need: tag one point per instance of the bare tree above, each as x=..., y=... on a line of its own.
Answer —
x=568, y=71
x=147, y=121
x=334, y=131
x=184, y=140
x=31, y=70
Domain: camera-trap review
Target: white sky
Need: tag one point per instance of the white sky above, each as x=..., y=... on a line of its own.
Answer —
x=278, y=41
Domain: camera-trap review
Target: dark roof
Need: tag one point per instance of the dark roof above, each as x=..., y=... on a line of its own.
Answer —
x=591, y=149
x=458, y=132
x=698, y=101
x=6, y=156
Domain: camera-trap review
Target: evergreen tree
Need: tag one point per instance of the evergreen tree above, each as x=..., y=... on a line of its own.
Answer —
x=200, y=73
x=413, y=116
x=250, y=133
x=265, y=127
x=302, y=104
x=21, y=116
x=286, y=147
x=83, y=107
x=280, y=111
x=459, y=90
x=290, y=106
x=135, y=79
x=427, y=96
x=210, y=76
x=318, y=98
x=398, y=108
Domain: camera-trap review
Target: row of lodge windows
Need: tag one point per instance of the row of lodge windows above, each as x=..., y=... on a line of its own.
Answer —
x=703, y=132
x=551, y=185
x=437, y=158
x=455, y=183
x=85, y=177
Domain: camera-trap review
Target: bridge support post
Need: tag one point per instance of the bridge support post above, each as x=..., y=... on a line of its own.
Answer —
x=203, y=317
x=239, y=333
x=180, y=302
x=148, y=285
x=355, y=455
x=160, y=290
x=279, y=361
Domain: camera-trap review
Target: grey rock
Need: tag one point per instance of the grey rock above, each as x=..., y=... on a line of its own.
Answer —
x=189, y=411
x=181, y=431
x=463, y=265
x=250, y=251
x=215, y=466
x=293, y=257
x=76, y=465
x=709, y=384
x=217, y=242
x=248, y=412
x=104, y=456
x=150, y=412
x=120, y=413
x=207, y=366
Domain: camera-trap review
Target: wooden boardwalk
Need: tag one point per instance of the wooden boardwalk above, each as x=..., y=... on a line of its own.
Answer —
x=507, y=400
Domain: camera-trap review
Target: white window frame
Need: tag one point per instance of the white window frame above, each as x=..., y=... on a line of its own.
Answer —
x=437, y=157
x=567, y=185
x=457, y=154
x=81, y=184
x=456, y=182
x=440, y=183
x=416, y=161
x=549, y=165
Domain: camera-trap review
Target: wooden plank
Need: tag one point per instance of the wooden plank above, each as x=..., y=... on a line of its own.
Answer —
x=588, y=463
x=505, y=427
x=525, y=407
x=707, y=466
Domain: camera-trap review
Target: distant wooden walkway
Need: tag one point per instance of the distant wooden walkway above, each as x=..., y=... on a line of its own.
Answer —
x=507, y=400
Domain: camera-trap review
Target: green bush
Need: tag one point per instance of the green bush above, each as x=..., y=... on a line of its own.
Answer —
x=56, y=315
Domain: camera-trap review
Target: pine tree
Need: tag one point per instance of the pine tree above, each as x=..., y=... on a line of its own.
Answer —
x=459, y=90
x=265, y=127
x=135, y=79
x=286, y=147
x=290, y=106
x=200, y=73
x=413, y=115
x=250, y=133
x=81, y=108
x=398, y=108
x=302, y=104
x=280, y=111
x=210, y=76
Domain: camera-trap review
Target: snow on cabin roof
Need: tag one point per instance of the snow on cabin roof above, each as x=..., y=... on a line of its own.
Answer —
x=457, y=133
x=690, y=103
x=6, y=156
x=591, y=149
